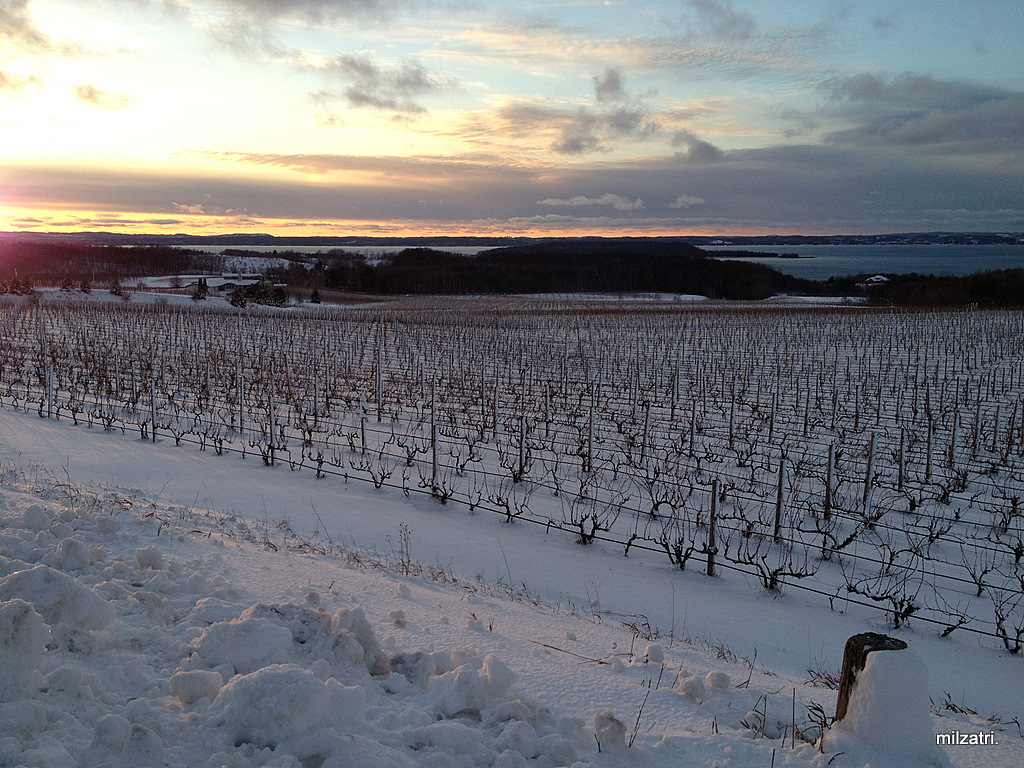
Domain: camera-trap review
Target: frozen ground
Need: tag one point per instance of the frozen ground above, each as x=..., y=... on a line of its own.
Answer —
x=166, y=606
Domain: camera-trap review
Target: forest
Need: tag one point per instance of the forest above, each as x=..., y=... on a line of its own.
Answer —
x=591, y=265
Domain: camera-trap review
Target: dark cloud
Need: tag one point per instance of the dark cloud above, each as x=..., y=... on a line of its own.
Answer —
x=591, y=130
x=92, y=96
x=920, y=110
x=395, y=89
x=698, y=151
x=609, y=86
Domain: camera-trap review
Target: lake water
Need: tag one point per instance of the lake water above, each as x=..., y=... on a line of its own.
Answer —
x=817, y=262
x=820, y=262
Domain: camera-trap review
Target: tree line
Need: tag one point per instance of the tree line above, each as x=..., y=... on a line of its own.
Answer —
x=589, y=265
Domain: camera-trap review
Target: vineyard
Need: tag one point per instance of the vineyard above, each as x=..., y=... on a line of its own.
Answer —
x=864, y=456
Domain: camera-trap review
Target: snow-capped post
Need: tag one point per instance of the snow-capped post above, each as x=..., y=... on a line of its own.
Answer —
x=883, y=705
x=855, y=656
x=711, y=527
x=778, y=499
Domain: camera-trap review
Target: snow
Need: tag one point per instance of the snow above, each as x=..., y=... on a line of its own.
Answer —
x=888, y=712
x=162, y=606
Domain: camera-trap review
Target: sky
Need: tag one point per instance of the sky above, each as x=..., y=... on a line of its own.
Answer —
x=540, y=118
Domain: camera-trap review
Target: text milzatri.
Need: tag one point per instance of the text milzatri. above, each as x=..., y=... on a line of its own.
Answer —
x=955, y=738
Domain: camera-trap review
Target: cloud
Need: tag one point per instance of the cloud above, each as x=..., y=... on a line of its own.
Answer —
x=609, y=86
x=92, y=96
x=590, y=130
x=719, y=19
x=698, y=151
x=395, y=89
x=14, y=85
x=686, y=201
x=617, y=202
x=18, y=31
x=921, y=110
x=315, y=11
x=885, y=23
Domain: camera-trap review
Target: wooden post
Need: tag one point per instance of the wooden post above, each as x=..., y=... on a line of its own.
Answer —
x=778, y=498
x=241, y=408
x=152, y=407
x=899, y=477
x=547, y=410
x=952, y=441
x=643, y=444
x=855, y=656
x=273, y=425
x=1009, y=432
x=867, y=472
x=829, y=472
x=522, y=445
x=977, y=429
x=379, y=379
x=928, y=455
x=732, y=412
x=711, y=527
x=995, y=430
x=433, y=440
x=49, y=390
x=693, y=425
x=590, y=439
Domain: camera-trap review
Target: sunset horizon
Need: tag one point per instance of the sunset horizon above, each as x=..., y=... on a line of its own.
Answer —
x=366, y=118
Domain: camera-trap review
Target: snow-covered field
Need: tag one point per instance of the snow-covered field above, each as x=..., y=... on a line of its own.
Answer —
x=166, y=605
x=161, y=607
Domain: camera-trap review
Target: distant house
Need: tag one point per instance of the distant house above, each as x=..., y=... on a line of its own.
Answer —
x=877, y=279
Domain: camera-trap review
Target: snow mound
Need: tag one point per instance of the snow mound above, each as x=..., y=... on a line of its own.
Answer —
x=58, y=598
x=23, y=637
x=888, y=716
x=284, y=706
